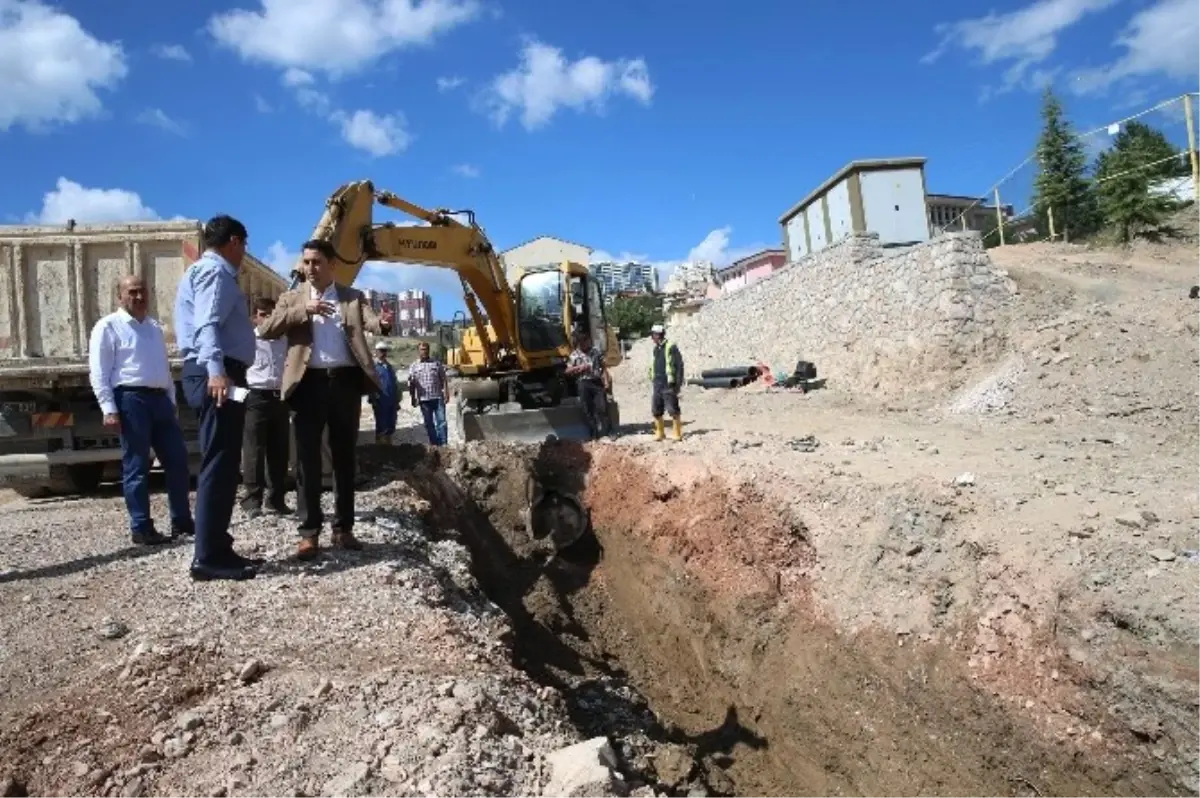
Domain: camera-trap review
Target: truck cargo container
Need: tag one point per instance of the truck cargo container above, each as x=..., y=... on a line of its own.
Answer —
x=56, y=282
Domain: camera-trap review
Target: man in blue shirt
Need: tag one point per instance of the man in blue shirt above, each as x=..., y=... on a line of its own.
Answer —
x=386, y=402
x=216, y=339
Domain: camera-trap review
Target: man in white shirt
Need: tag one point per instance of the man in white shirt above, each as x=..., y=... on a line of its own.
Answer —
x=327, y=373
x=268, y=433
x=131, y=379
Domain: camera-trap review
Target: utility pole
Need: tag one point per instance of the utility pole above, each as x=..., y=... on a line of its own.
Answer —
x=1187, y=112
x=999, y=214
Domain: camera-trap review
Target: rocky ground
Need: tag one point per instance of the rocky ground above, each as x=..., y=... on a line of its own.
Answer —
x=988, y=585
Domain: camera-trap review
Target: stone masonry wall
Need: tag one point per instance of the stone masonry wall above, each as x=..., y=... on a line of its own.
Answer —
x=871, y=320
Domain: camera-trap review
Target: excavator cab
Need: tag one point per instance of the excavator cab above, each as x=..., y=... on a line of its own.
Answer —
x=552, y=303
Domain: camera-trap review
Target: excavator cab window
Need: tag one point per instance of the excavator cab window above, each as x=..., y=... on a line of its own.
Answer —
x=596, y=324
x=540, y=312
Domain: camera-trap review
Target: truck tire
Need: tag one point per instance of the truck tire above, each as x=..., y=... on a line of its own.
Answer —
x=83, y=478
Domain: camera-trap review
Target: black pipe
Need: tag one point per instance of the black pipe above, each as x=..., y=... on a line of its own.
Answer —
x=731, y=371
x=718, y=382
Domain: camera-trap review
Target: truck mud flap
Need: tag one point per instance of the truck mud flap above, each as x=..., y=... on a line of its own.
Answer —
x=564, y=422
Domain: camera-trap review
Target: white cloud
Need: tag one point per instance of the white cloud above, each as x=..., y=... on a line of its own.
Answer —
x=172, y=52
x=546, y=81
x=336, y=36
x=715, y=248
x=466, y=170
x=70, y=200
x=280, y=258
x=1162, y=39
x=261, y=105
x=1022, y=39
x=157, y=117
x=450, y=84
x=373, y=134
x=50, y=67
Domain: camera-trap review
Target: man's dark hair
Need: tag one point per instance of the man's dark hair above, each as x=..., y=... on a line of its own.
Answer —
x=264, y=303
x=322, y=246
x=220, y=229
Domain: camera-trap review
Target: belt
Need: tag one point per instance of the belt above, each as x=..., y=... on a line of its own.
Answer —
x=274, y=393
x=140, y=389
x=336, y=371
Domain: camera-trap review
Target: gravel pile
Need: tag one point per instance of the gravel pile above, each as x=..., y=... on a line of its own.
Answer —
x=381, y=671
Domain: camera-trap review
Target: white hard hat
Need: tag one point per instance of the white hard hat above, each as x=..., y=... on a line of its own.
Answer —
x=657, y=329
x=381, y=347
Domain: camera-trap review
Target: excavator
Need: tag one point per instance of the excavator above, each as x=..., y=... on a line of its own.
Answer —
x=512, y=357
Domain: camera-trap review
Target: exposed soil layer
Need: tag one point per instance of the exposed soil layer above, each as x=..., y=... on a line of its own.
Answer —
x=696, y=593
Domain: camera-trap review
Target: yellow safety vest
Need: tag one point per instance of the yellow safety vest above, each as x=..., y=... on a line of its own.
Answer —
x=669, y=346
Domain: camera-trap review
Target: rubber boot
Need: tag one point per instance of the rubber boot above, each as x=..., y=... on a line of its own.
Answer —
x=658, y=428
x=678, y=425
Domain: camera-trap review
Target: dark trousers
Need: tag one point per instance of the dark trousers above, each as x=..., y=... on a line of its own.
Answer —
x=148, y=420
x=265, y=442
x=595, y=406
x=221, y=455
x=326, y=399
x=664, y=397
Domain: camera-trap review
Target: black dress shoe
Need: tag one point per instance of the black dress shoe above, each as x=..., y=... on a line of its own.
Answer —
x=182, y=532
x=235, y=560
x=278, y=509
x=150, y=538
x=207, y=573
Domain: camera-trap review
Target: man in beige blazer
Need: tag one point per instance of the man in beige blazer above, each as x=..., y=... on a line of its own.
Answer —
x=327, y=371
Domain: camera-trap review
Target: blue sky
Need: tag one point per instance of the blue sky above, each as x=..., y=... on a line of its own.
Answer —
x=659, y=131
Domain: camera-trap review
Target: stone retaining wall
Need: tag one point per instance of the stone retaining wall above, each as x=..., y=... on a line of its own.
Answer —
x=871, y=319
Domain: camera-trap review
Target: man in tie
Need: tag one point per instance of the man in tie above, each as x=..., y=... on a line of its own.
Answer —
x=327, y=373
x=217, y=341
x=131, y=379
x=268, y=426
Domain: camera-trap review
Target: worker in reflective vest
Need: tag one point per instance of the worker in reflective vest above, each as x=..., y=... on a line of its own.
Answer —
x=666, y=377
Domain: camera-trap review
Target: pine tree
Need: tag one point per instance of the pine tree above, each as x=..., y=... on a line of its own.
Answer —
x=1124, y=178
x=1061, y=182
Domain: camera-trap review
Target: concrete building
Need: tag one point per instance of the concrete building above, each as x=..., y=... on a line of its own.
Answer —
x=620, y=278
x=414, y=313
x=542, y=251
x=884, y=196
x=951, y=213
x=750, y=270
x=378, y=300
x=691, y=277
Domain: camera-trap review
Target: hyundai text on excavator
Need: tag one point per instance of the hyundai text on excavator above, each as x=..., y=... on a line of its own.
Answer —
x=512, y=358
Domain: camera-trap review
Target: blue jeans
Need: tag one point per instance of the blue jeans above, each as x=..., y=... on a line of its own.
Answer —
x=434, y=413
x=220, y=460
x=148, y=421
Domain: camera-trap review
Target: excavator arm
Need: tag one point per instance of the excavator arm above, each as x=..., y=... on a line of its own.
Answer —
x=441, y=240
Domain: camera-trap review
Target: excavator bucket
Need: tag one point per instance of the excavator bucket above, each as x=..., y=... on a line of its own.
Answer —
x=565, y=422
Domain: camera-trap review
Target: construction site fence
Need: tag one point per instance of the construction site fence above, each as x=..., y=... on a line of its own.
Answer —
x=1175, y=117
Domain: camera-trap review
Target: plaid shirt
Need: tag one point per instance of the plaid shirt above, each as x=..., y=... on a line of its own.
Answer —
x=429, y=379
x=592, y=358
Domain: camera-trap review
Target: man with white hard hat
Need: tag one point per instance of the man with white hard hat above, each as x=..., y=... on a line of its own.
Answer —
x=666, y=377
x=387, y=401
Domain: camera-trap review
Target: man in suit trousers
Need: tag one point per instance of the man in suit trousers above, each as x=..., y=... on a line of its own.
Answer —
x=327, y=372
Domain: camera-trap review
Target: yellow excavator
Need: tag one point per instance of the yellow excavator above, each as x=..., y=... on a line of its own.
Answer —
x=512, y=358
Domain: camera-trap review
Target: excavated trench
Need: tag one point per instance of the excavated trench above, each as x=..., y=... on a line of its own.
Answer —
x=682, y=626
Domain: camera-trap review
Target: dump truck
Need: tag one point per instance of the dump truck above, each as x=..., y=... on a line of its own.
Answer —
x=56, y=282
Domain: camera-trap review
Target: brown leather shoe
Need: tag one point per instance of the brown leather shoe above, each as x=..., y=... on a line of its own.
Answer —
x=346, y=540
x=307, y=549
